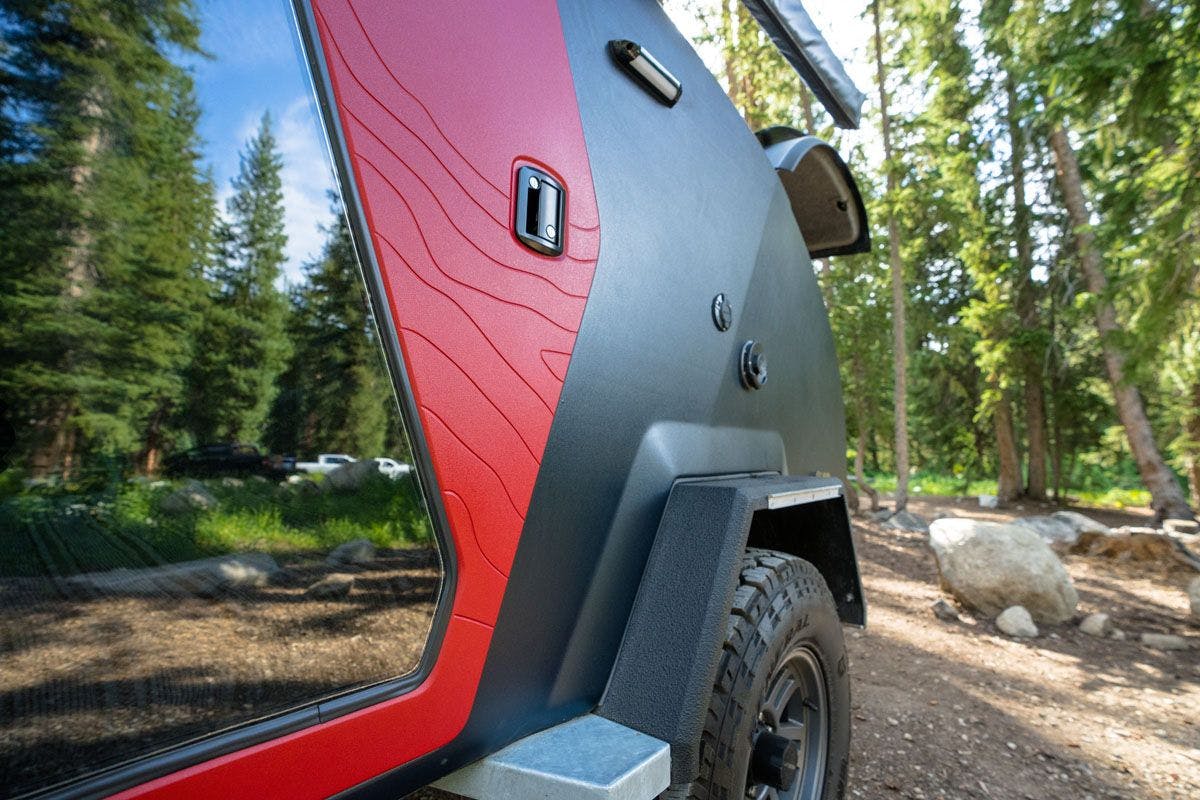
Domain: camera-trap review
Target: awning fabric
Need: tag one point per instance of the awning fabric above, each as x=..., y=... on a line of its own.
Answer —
x=801, y=43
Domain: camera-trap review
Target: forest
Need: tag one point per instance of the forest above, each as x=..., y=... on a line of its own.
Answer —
x=138, y=315
x=1027, y=324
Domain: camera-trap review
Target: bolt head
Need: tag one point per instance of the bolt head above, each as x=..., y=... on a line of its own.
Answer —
x=753, y=365
x=722, y=312
x=534, y=182
x=550, y=231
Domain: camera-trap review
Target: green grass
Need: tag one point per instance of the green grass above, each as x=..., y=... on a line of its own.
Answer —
x=930, y=483
x=61, y=532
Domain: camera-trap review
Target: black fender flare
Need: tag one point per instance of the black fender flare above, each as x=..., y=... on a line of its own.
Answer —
x=663, y=675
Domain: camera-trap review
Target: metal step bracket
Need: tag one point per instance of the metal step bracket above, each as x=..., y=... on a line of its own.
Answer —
x=588, y=758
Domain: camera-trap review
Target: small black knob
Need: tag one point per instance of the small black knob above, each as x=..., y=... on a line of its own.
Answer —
x=754, y=365
x=775, y=761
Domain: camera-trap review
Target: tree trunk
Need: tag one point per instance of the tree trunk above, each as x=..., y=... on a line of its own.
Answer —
x=899, y=337
x=810, y=125
x=1008, y=486
x=150, y=458
x=1032, y=361
x=1193, y=435
x=1166, y=496
x=55, y=438
x=860, y=454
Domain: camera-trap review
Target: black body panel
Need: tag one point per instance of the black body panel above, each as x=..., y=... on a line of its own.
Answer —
x=689, y=207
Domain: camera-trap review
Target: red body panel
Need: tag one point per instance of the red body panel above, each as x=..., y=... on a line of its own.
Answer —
x=439, y=103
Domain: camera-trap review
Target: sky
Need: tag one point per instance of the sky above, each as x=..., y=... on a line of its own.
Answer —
x=255, y=66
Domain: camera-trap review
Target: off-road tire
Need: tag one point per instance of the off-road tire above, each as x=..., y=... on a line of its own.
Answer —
x=781, y=603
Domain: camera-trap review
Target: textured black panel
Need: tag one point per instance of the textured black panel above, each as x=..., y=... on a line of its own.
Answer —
x=668, y=660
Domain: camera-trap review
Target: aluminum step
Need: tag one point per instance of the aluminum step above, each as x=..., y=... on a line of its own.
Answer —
x=589, y=758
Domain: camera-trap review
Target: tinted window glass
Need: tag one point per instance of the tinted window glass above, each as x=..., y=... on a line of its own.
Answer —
x=195, y=532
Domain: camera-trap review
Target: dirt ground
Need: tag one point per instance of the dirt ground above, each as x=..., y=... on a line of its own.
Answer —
x=958, y=710
x=94, y=678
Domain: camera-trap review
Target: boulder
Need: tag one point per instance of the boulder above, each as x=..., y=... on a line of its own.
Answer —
x=1081, y=523
x=990, y=566
x=989, y=501
x=1098, y=625
x=1194, y=596
x=204, y=577
x=1016, y=622
x=191, y=496
x=333, y=586
x=1057, y=532
x=358, y=551
x=1164, y=641
x=351, y=477
x=905, y=521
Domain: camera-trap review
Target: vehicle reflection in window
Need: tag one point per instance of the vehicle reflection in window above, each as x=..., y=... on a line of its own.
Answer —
x=207, y=510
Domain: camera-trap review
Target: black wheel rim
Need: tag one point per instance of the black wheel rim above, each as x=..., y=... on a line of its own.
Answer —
x=796, y=707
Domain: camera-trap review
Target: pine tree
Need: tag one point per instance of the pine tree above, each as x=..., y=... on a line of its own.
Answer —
x=336, y=394
x=243, y=343
x=89, y=91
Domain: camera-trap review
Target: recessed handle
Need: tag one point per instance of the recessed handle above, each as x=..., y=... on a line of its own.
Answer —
x=541, y=208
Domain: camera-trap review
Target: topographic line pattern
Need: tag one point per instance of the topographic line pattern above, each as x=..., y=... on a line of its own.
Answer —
x=486, y=326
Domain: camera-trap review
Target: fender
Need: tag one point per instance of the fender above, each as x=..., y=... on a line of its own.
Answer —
x=664, y=671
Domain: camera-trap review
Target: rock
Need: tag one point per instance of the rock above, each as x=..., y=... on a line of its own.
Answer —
x=1164, y=641
x=1081, y=523
x=1194, y=596
x=1098, y=625
x=989, y=501
x=333, y=586
x=1016, y=622
x=1142, y=544
x=1057, y=532
x=204, y=577
x=192, y=496
x=1131, y=530
x=944, y=611
x=303, y=486
x=989, y=567
x=882, y=515
x=1117, y=635
x=358, y=551
x=232, y=483
x=295, y=478
x=351, y=477
x=904, y=521
x=1181, y=526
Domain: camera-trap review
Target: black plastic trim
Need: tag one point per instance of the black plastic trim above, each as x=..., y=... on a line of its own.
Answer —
x=664, y=672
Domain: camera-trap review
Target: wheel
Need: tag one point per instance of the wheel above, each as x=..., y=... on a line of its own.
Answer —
x=778, y=723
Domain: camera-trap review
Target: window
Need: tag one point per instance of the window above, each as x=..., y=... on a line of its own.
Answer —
x=208, y=513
